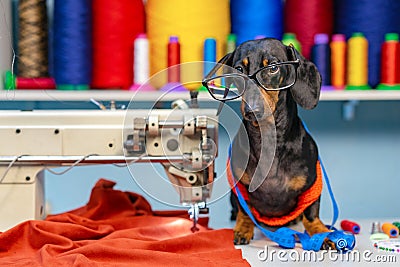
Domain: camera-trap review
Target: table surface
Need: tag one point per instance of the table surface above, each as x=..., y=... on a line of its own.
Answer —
x=364, y=253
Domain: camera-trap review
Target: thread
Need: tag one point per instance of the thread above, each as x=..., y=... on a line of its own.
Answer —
x=230, y=43
x=116, y=24
x=192, y=21
x=12, y=82
x=14, y=31
x=350, y=226
x=260, y=17
x=174, y=67
x=290, y=38
x=209, y=57
x=307, y=18
x=72, y=49
x=397, y=224
x=357, y=62
x=373, y=19
x=141, y=59
x=391, y=230
x=390, y=62
x=174, y=59
x=321, y=56
x=210, y=54
x=32, y=39
x=338, y=61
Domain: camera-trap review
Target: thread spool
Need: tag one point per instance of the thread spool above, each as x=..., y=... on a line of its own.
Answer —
x=397, y=224
x=373, y=19
x=174, y=59
x=32, y=39
x=307, y=18
x=141, y=64
x=350, y=226
x=116, y=24
x=12, y=82
x=209, y=57
x=338, y=61
x=391, y=230
x=290, y=38
x=72, y=49
x=185, y=18
x=390, y=63
x=260, y=17
x=321, y=55
x=357, y=62
x=14, y=29
x=230, y=43
x=141, y=59
x=210, y=54
x=174, y=67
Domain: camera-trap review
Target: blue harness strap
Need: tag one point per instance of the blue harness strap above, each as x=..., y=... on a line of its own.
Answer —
x=286, y=237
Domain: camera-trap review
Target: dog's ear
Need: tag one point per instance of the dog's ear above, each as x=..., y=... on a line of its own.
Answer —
x=307, y=88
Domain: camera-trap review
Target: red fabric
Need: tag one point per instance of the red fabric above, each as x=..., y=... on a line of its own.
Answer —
x=117, y=228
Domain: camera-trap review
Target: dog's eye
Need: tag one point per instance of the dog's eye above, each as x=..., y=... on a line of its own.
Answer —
x=273, y=69
x=239, y=69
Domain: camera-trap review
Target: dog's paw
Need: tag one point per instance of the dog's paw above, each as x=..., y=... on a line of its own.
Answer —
x=244, y=229
x=328, y=245
x=242, y=238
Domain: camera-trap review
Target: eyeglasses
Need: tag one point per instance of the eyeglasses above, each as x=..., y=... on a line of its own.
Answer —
x=225, y=83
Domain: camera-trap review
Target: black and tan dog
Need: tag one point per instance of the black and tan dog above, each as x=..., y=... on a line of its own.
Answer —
x=294, y=167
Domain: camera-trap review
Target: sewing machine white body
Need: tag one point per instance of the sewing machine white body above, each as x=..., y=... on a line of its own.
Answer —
x=31, y=141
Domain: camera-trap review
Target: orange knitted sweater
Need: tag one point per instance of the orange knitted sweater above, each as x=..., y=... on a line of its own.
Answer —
x=305, y=199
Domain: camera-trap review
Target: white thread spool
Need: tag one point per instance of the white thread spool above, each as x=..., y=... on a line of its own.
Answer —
x=141, y=59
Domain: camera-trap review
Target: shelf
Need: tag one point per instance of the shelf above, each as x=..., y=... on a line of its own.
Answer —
x=119, y=95
x=362, y=95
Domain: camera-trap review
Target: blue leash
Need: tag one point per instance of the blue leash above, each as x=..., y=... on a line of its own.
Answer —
x=335, y=207
x=286, y=237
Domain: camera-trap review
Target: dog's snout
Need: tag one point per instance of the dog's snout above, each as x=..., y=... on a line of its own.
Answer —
x=253, y=113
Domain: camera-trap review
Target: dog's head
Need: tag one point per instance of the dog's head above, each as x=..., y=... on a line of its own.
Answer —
x=257, y=101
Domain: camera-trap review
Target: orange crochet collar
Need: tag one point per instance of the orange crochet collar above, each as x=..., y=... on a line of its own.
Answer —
x=305, y=199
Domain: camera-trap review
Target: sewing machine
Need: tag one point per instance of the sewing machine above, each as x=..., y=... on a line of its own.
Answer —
x=183, y=140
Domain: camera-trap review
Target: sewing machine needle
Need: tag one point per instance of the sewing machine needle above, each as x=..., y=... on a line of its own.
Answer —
x=194, y=215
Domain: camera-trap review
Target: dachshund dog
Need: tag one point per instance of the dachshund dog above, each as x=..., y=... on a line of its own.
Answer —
x=293, y=166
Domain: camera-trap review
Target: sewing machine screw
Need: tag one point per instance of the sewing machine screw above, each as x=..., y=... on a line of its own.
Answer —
x=18, y=131
x=56, y=131
x=207, y=158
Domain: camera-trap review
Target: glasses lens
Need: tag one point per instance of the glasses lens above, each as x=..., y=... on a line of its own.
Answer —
x=227, y=87
x=277, y=77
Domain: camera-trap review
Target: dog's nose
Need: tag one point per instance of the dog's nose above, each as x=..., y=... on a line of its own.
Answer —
x=253, y=114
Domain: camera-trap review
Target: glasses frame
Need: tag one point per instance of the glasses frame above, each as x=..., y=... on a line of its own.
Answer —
x=253, y=77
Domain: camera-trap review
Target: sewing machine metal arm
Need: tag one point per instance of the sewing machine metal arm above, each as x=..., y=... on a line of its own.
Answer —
x=184, y=141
